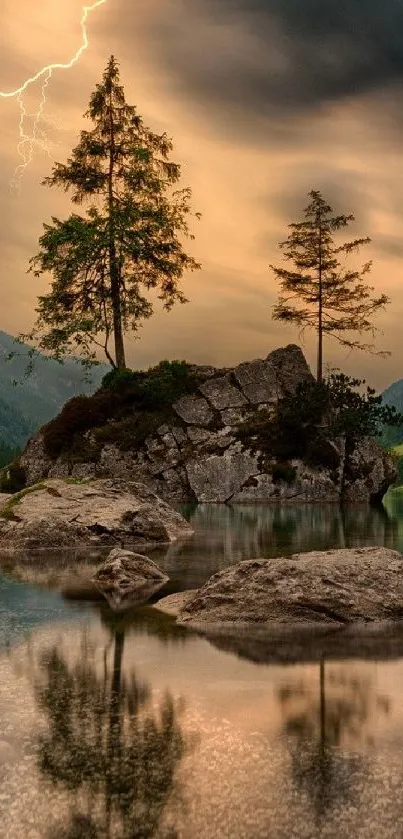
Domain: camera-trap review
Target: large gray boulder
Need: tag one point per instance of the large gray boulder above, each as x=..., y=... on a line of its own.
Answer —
x=126, y=579
x=71, y=514
x=336, y=587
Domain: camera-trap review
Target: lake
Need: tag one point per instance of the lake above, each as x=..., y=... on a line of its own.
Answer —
x=131, y=727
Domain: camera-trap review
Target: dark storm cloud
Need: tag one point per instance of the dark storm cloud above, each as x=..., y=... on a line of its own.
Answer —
x=273, y=56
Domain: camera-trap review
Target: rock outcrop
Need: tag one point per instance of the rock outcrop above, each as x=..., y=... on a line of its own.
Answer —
x=199, y=450
x=128, y=579
x=336, y=588
x=100, y=513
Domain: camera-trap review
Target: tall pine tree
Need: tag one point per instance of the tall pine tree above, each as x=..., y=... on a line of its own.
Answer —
x=321, y=293
x=129, y=241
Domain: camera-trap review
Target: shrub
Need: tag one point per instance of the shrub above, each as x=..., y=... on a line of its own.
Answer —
x=318, y=413
x=79, y=415
x=130, y=432
x=129, y=404
x=166, y=383
x=119, y=378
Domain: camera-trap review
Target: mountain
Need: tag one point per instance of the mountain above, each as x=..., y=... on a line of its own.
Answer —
x=393, y=396
x=36, y=398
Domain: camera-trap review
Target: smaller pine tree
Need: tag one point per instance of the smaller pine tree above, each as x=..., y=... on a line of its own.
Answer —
x=320, y=293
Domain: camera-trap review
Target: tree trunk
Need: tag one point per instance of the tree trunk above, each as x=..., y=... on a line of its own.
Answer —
x=120, y=359
x=319, y=373
x=115, y=729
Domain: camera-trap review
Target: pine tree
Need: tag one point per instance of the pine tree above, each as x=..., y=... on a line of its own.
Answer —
x=321, y=293
x=128, y=242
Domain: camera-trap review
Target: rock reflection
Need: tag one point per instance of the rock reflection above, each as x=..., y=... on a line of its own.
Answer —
x=225, y=535
x=326, y=731
x=109, y=747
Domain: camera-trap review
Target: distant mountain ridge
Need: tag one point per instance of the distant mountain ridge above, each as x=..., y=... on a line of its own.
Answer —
x=36, y=398
x=393, y=396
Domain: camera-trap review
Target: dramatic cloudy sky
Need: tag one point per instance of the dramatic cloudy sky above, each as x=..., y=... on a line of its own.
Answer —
x=265, y=100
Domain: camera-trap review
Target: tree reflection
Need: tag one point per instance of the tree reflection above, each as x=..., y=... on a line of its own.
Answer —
x=109, y=747
x=319, y=724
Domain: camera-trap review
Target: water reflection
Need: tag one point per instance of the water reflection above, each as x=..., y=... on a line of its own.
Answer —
x=108, y=745
x=326, y=728
x=225, y=535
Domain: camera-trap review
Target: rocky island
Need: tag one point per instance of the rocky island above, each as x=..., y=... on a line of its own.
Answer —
x=202, y=434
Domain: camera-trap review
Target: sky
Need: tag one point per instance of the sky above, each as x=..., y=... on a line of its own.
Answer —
x=264, y=100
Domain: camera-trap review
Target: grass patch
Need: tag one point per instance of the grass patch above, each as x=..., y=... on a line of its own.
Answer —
x=8, y=511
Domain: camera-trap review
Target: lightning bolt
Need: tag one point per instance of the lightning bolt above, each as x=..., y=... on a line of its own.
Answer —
x=35, y=137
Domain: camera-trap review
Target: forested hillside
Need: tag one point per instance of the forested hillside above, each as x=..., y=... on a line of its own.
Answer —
x=35, y=399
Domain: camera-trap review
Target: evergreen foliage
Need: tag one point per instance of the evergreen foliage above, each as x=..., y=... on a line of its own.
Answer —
x=320, y=293
x=129, y=241
x=7, y=454
x=317, y=414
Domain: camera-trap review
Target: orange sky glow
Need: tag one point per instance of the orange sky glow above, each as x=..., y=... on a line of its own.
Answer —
x=222, y=86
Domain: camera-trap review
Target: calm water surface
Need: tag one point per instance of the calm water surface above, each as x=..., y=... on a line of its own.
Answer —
x=132, y=728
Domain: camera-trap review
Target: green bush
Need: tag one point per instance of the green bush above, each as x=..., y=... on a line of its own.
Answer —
x=130, y=432
x=129, y=404
x=79, y=415
x=318, y=413
x=166, y=383
x=119, y=379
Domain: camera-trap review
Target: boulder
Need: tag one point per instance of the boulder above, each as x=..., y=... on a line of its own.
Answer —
x=222, y=394
x=336, y=587
x=126, y=579
x=291, y=367
x=57, y=513
x=258, y=380
x=194, y=410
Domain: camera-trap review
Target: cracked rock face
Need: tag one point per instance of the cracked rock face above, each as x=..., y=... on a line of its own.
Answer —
x=126, y=579
x=222, y=394
x=258, y=380
x=218, y=477
x=194, y=410
x=336, y=587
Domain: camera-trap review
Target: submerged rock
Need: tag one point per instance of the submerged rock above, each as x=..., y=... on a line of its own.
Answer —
x=336, y=587
x=126, y=579
x=104, y=513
